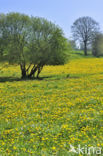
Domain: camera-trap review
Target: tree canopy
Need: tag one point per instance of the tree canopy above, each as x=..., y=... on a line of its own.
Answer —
x=31, y=42
x=97, y=45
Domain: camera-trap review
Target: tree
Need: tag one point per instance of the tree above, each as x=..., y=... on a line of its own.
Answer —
x=73, y=44
x=2, y=35
x=31, y=42
x=47, y=45
x=97, y=45
x=15, y=32
x=84, y=30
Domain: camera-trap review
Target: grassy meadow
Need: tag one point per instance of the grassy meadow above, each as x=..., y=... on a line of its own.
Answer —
x=43, y=117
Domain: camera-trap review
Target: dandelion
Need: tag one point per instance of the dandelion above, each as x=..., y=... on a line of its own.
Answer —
x=53, y=148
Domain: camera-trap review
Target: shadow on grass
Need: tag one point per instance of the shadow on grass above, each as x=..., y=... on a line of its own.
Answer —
x=12, y=79
x=9, y=79
x=45, y=78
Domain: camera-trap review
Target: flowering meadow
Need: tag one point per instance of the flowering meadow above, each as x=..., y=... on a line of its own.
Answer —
x=44, y=117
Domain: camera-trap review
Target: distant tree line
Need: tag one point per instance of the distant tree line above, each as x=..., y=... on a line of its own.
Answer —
x=31, y=42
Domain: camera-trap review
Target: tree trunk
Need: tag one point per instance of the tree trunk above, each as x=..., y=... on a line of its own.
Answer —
x=23, y=71
x=23, y=74
x=85, y=48
x=39, y=71
x=34, y=69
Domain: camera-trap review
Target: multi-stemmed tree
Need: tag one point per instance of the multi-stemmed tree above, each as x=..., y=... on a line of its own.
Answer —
x=31, y=42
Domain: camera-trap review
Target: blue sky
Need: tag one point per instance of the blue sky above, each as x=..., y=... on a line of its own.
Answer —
x=61, y=12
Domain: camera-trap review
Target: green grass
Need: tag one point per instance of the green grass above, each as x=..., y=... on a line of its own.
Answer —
x=43, y=117
x=78, y=54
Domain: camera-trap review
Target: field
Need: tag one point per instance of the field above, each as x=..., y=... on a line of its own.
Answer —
x=44, y=117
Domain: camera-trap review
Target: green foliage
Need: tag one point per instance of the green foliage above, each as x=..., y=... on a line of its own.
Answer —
x=97, y=46
x=31, y=41
x=14, y=31
x=72, y=44
x=47, y=43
